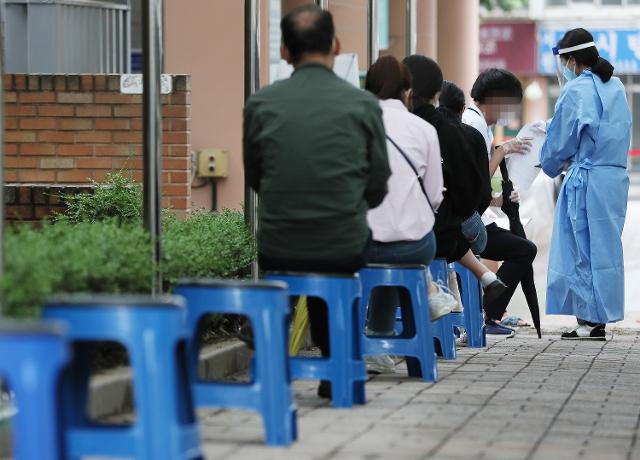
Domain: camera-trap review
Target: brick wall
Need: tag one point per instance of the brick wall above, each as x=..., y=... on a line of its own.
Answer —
x=71, y=129
x=32, y=202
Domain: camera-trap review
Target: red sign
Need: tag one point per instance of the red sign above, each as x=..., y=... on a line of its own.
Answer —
x=508, y=45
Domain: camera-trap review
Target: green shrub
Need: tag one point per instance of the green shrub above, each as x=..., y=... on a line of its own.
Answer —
x=118, y=197
x=108, y=257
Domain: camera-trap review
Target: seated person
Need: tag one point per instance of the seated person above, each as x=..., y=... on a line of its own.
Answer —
x=462, y=184
x=496, y=94
x=402, y=226
x=315, y=152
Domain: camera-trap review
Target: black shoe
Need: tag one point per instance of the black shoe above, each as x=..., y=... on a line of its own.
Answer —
x=493, y=291
x=491, y=327
x=324, y=389
x=584, y=332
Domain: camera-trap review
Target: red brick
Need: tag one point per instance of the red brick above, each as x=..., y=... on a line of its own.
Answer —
x=75, y=98
x=100, y=175
x=180, y=124
x=76, y=124
x=100, y=82
x=10, y=97
x=175, y=190
x=175, y=138
x=127, y=137
x=86, y=82
x=179, y=177
x=73, y=176
x=137, y=176
x=7, y=82
x=19, y=212
x=37, y=149
x=75, y=150
x=112, y=124
x=20, y=110
x=128, y=110
x=136, y=124
x=115, y=150
x=42, y=212
x=10, y=176
x=93, y=163
x=21, y=162
x=180, y=203
x=57, y=163
x=37, y=97
x=175, y=111
x=36, y=175
x=24, y=195
x=60, y=83
x=20, y=82
x=10, y=123
x=180, y=151
x=176, y=163
x=117, y=98
x=38, y=123
x=126, y=163
x=20, y=136
x=165, y=203
x=10, y=149
x=113, y=82
x=57, y=137
x=55, y=111
x=181, y=98
x=93, y=110
x=97, y=137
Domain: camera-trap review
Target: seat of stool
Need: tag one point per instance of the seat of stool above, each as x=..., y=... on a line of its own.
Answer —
x=115, y=300
x=311, y=274
x=398, y=266
x=11, y=327
x=226, y=284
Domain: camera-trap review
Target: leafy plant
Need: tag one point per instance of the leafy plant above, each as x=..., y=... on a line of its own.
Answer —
x=119, y=197
x=505, y=5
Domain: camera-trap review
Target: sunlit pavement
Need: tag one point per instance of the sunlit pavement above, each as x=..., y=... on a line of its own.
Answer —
x=521, y=398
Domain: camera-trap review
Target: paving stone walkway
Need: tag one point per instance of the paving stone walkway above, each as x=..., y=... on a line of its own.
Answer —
x=520, y=398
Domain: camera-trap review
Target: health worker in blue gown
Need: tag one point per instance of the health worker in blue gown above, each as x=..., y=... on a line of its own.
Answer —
x=589, y=136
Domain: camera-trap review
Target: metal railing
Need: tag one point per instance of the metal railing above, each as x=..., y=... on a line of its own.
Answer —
x=67, y=36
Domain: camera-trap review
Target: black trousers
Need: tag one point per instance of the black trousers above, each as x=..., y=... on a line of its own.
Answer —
x=318, y=315
x=517, y=255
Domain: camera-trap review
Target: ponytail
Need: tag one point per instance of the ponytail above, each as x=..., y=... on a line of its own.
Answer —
x=603, y=69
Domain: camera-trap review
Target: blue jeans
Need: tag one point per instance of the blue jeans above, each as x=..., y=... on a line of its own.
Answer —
x=384, y=300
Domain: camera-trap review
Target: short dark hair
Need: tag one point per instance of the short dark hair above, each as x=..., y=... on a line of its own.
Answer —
x=498, y=83
x=452, y=97
x=307, y=29
x=588, y=57
x=426, y=77
x=387, y=78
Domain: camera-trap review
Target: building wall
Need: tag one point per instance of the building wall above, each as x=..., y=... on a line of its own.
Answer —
x=71, y=129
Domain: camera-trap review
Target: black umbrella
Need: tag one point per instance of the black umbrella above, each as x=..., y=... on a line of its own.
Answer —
x=512, y=210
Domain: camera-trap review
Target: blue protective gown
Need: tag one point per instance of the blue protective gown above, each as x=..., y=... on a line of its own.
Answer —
x=590, y=129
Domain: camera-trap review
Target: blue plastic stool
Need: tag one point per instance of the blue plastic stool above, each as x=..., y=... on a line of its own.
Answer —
x=473, y=321
x=32, y=357
x=344, y=368
x=270, y=393
x=154, y=332
x=416, y=340
x=443, y=328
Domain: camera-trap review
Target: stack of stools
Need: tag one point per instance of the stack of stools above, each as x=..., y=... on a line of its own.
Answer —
x=154, y=332
x=32, y=357
x=270, y=392
x=345, y=368
x=415, y=340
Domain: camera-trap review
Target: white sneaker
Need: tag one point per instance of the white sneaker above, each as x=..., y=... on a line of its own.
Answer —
x=455, y=292
x=441, y=302
x=463, y=340
x=382, y=364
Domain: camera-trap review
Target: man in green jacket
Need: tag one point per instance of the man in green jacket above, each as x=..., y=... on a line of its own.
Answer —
x=315, y=152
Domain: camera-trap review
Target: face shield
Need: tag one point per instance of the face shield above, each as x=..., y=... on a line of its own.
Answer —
x=562, y=72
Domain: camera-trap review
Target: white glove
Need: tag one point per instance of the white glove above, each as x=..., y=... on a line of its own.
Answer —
x=521, y=145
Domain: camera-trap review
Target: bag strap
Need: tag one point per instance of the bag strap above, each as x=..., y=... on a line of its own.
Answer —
x=415, y=171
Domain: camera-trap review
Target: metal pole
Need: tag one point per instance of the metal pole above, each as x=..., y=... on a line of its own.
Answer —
x=324, y=4
x=410, y=28
x=2, y=16
x=372, y=32
x=251, y=85
x=153, y=64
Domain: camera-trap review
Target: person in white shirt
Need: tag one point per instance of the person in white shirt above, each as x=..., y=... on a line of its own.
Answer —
x=402, y=225
x=496, y=95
